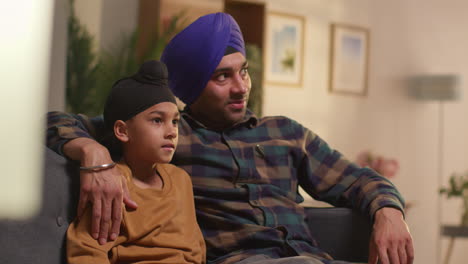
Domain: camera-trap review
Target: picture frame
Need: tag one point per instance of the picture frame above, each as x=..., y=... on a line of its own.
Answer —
x=349, y=59
x=284, y=49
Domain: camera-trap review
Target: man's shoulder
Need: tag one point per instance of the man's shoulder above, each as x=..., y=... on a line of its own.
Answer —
x=274, y=118
x=281, y=127
x=279, y=121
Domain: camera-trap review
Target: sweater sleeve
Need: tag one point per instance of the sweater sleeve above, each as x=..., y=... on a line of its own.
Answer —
x=327, y=175
x=63, y=127
x=82, y=248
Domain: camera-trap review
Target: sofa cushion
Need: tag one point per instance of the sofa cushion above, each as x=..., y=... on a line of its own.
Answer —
x=342, y=232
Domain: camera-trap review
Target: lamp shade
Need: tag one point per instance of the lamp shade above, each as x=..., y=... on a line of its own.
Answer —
x=435, y=87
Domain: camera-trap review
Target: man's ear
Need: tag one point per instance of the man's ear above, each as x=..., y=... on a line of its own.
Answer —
x=121, y=131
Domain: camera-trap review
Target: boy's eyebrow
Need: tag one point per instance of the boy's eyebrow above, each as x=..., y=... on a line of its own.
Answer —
x=229, y=68
x=158, y=112
x=176, y=114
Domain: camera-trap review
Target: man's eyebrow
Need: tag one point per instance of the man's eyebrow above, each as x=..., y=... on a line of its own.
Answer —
x=224, y=69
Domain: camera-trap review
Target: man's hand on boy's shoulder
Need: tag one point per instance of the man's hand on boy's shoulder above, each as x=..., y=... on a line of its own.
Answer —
x=391, y=241
x=104, y=189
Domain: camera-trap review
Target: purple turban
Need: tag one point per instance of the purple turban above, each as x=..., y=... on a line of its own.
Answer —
x=192, y=55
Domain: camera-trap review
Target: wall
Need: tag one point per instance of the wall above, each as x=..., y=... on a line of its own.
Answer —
x=107, y=20
x=56, y=96
x=407, y=38
x=437, y=45
x=193, y=10
x=119, y=17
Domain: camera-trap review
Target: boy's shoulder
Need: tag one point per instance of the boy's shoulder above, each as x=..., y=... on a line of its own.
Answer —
x=124, y=169
x=173, y=170
x=177, y=175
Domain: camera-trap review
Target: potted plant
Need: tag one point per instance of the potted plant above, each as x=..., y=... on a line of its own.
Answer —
x=458, y=187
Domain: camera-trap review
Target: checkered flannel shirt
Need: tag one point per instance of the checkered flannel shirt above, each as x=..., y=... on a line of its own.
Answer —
x=246, y=181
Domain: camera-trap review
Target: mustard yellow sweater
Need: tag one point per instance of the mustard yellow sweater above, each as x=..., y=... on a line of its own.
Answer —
x=163, y=229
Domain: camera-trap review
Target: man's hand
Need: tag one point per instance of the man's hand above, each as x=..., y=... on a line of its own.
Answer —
x=391, y=242
x=105, y=189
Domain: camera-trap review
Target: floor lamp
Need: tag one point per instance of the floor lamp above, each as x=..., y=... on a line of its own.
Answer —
x=441, y=89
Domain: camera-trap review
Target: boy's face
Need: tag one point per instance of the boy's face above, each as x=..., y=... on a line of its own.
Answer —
x=153, y=133
x=223, y=102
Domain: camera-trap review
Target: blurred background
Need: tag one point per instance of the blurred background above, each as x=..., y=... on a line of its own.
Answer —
x=422, y=137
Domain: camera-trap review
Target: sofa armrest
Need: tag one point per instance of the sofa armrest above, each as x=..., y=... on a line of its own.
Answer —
x=341, y=232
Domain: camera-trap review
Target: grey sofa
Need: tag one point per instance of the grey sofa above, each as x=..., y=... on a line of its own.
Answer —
x=340, y=231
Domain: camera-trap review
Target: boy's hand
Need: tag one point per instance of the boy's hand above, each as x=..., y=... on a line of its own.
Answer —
x=391, y=242
x=105, y=189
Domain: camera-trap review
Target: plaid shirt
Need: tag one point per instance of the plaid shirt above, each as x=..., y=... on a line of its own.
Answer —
x=246, y=182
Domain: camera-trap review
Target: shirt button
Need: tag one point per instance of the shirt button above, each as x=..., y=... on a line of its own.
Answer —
x=259, y=151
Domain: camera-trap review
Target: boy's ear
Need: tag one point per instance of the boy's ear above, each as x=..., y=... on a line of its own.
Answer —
x=120, y=130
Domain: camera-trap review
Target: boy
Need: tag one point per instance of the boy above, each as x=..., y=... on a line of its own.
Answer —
x=142, y=115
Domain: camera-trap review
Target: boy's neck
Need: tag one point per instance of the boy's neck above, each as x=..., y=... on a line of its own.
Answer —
x=144, y=175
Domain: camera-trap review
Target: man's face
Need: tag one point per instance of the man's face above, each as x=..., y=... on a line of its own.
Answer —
x=223, y=102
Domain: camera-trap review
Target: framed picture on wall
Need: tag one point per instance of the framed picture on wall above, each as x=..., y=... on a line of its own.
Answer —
x=349, y=56
x=284, y=49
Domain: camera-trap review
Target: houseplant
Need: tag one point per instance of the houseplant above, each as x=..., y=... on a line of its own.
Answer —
x=91, y=73
x=458, y=187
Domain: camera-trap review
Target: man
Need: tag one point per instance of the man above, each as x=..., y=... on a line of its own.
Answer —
x=245, y=170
